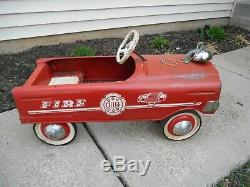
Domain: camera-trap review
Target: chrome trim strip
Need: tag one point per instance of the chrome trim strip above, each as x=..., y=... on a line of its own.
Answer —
x=64, y=110
x=98, y=108
x=202, y=93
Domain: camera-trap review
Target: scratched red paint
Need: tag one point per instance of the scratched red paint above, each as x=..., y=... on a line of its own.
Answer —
x=108, y=91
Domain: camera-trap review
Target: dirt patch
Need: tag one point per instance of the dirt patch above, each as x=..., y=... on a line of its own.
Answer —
x=16, y=68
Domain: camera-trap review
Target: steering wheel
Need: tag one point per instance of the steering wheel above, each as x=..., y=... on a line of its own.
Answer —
x=127, y=46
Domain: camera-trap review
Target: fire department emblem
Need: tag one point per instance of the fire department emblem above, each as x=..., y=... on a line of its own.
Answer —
x=113, y=104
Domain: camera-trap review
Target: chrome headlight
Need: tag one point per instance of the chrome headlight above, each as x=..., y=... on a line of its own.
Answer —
x=211, y=107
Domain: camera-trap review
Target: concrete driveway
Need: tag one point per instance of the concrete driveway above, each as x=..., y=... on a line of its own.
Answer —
x=221, y=144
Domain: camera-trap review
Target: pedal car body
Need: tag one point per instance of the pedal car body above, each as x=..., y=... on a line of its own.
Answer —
x=83, y=89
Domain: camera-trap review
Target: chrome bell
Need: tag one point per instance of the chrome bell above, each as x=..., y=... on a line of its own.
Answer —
x=200, y=54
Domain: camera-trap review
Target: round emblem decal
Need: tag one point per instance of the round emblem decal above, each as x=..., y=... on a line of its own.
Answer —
x=113, y=104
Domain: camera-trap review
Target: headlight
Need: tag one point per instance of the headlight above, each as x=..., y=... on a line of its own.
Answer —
x=211, y=107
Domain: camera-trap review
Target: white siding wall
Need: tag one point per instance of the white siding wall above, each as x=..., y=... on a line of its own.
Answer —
x=31, y=18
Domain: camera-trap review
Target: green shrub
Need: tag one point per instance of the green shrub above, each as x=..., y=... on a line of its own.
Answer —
x=83, y=51
x=216, y=33
x=159, y=42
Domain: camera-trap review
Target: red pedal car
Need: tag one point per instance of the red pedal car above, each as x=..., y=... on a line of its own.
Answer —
x=62, y=91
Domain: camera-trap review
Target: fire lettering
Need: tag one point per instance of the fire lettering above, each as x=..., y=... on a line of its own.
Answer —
x=63, y=104
x=80, y=103
x=56, y=104
x=68, y=104
x=46, y=104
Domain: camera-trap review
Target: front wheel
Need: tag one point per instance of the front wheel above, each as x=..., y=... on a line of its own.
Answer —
x=181, y=125
x=55, y=133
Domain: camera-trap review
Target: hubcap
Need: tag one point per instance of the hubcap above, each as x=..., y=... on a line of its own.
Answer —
x=182, y=128
x=54, y=132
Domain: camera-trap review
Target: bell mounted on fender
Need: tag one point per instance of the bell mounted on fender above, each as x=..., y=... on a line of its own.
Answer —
x=200, y=54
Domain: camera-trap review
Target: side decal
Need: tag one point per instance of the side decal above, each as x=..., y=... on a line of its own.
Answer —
x=152, y=98
x=113, y=104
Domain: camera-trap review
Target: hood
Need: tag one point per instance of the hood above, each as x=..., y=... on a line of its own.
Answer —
x=172, y=67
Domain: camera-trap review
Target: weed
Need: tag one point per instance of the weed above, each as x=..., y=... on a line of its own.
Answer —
x=240, y=39
x=83, y=51
x=160, y=42
x=212, y=47
x=239, y=176
x=203, y=32
x=216, y=33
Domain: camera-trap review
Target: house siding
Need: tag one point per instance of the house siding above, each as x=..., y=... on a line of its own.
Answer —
x=33, y=18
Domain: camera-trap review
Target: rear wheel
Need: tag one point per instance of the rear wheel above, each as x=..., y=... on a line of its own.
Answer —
x=55, y=133
x=181, y=125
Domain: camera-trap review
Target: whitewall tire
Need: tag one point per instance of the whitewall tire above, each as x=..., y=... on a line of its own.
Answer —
x=182, y=125
x=55, y=133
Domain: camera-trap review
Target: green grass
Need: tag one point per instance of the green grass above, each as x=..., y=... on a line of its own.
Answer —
x=83, y=51
x=160, y=42
x=216, y=33
x=238, y=177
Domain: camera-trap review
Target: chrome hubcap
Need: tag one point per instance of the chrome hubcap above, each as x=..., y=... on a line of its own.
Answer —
x=54, y=132
x=182, y=128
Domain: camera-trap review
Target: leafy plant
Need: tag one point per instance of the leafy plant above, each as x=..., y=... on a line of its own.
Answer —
x=203, y=32
x=241, y=40
x=216, y=33
x=160, y=42
x=83, y=51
